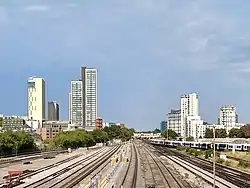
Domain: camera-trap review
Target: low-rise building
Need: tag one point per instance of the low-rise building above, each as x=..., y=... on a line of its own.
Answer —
x=15, y=123
x=51, y=128
x=99, y=122
x=195, y=127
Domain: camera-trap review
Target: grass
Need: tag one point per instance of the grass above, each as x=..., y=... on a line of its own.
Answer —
x=239, y=155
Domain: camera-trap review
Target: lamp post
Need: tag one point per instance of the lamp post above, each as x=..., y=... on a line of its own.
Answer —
x=214, y=155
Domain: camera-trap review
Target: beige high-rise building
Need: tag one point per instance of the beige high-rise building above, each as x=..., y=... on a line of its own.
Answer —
x=36, y=98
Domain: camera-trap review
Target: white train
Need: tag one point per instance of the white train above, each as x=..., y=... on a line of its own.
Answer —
x=201, y=145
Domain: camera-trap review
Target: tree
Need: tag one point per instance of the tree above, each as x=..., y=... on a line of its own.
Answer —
x=132, y=130
x=220, y=133
x=157, y=131
x=100, y=136
x=208, y=133
x=170, y=134
x=246, y=130
x=236, y=133
x=190, y=139
x=20, y=141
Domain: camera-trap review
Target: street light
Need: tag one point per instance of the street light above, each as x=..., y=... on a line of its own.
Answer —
x=214, y=154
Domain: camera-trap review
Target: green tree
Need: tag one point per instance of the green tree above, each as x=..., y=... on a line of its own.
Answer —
x=20, y=141
x=220, y=133
x=100, y=136
x=132, y=130
x=190, y=139
x=246, y=130
x=170, y=134
x=208, y=133
x=157, y=131
x=236, y=133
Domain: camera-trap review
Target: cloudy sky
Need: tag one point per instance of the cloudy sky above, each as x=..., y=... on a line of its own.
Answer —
x=148, y=53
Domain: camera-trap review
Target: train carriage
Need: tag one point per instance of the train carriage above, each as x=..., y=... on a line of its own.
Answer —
x=201, y=145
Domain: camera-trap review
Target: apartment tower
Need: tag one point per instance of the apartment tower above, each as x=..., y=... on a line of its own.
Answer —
x=36, y=98
x=89, y=97
x=189, y=107
x=228, y=117
x=75, y=106
x=83, y=99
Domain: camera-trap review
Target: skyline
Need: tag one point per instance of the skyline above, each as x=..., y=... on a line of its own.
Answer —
x=148, y=54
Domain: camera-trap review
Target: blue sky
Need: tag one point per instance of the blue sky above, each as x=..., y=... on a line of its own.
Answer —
x=148, y=53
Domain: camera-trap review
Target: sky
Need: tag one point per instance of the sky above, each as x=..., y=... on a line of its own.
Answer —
x=147, y=52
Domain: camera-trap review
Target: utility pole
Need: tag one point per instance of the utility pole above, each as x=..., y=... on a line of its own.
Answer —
x=214, y=154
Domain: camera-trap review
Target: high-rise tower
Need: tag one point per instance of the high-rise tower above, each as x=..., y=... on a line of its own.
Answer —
x=89, y=97
x=75, y=106
x=36, y=98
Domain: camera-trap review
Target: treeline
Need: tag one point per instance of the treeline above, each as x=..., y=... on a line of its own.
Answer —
x=21, y=141
x=11, y=142
x=82, y=138
x=243, y=132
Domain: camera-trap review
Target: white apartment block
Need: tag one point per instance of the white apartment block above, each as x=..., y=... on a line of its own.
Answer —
x=76, y=110
x=90, y=97
x=228, y=117
x=174, y=121
x=36, y=98
x=83, y=99
x=189, y=107
x=195, y=127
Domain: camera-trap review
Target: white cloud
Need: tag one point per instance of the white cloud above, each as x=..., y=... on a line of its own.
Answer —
x=37, y=8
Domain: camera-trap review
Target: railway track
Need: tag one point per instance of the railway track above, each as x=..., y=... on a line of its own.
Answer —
x=47, y=181
x=165, y=177
x=131, y=169
x=74, y=178
x=28, y=175
x=237, y=178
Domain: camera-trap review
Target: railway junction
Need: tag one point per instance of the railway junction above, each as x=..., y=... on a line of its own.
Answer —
x=128, y=165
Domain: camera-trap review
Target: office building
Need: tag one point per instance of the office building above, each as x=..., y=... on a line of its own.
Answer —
x=163, y=126
x=89, y=97
x=174, y=121
x=53, y=111
x=76, y=109
x=228, y=117
x=36, y=98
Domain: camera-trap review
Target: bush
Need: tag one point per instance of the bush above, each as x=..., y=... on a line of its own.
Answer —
x=187, y=149
x=208, y=153
x=244, y=164
x=227, y=163
x=181, y=148
x=220, y=160
x=192, y=151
